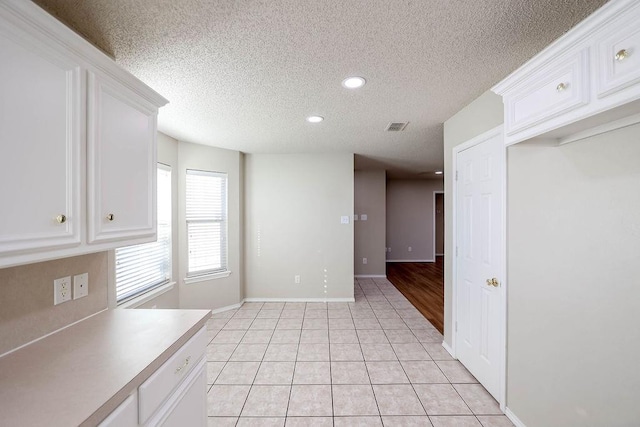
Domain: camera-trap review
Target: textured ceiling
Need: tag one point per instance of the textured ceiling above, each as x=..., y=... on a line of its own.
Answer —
x=244, y=74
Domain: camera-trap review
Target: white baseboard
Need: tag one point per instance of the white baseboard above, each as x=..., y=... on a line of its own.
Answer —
x=227, y=308
x=449, y=349
x=299, y=300
x=515, y=420
x=234, y=306
x=411, y=260
x=439, y=254
x=370, y=276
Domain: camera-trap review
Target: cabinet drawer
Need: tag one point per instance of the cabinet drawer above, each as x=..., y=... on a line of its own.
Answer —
x=160, y=385
x=560, y=87
x=618, y=55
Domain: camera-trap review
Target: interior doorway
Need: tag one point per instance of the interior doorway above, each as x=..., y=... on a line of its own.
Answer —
x=438, y=223
x=422, y=283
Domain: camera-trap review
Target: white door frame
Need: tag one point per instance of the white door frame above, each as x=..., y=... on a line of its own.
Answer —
x=434, y=222
x=502, y=338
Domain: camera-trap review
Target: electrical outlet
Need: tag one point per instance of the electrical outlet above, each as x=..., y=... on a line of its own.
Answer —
x=364, y=260
x=363, y=217
x=296, y=278
x=80, y=285
x=61, y=290
x=410, y=249
x=389, y=250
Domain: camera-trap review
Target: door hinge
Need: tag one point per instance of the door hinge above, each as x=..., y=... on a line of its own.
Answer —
x=456, y=326
x=456, y=175
x=456, y=251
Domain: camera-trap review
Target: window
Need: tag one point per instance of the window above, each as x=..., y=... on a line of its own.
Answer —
x=141, y=268
x=206, y=216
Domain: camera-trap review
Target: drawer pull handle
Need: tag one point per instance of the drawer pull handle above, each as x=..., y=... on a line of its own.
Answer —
x=61, y=219
x=561, y=87
x=184, y=365
x=621, y=55
x=110, y=217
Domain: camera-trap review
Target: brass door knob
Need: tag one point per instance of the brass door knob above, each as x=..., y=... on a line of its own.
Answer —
x=110, y=217
x=61, y=219
x=561, y=87
x=621, y=55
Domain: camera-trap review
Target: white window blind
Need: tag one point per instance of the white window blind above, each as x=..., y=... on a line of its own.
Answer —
x=206, y=214
x=141, y=268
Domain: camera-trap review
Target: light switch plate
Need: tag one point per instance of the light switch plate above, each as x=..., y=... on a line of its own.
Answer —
x=80, y=285
x=344, y=219
x=363, y=217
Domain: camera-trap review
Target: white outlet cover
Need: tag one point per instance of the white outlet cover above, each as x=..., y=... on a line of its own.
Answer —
x=410, y=248
x=364, y=260
x=355, y=217
x=61, y=290
x=80, y=285
x=363, y=217
x=296, y=278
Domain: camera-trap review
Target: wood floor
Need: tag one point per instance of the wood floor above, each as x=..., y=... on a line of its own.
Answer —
x=423, y=285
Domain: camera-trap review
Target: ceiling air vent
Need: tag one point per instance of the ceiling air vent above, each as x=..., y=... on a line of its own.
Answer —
x=396, y=126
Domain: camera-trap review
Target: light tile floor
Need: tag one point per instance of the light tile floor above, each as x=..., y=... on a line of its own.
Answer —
x=374, y=362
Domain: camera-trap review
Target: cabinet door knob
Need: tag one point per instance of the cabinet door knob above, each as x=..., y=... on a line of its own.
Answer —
x=621, y=55
x=493, y=282
x=561, y=87
x=110, y=217
x=61, y=219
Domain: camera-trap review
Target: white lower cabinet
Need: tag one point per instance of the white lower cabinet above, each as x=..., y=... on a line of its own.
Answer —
x=187, y=406
x=175, y=395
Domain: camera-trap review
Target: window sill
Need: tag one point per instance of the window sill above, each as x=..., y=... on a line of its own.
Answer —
x=204, y=278
x=147, y=296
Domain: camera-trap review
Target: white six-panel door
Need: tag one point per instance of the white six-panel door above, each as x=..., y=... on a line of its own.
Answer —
x=479, y=260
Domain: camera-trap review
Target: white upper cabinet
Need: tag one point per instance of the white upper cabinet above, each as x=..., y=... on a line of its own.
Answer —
x=77, y=143
x=121, y=162
x=586, y=82
x=41, y=93
x=618, y=56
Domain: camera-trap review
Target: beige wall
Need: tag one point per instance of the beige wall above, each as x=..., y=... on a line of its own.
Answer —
x=483, y=114
x=370, y=189
x=292, y=225
x=221, y=292
x=573, y=269
x=26, y=306
x=410, y=216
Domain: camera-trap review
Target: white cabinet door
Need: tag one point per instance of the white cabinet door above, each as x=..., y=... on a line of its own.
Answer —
x=41, y=93
x=191, y=409
x=618, y=56
x=121, y=165
x=187, y=406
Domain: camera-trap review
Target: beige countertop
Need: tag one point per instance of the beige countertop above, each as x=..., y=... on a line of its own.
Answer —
x=78, y=375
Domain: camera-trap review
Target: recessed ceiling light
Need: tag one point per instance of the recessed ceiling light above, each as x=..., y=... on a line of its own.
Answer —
x=353, y=82
x=315, y=119
x=438, y=172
